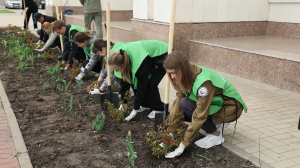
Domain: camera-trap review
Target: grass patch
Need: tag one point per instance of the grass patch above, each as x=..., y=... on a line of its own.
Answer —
x=6, y=11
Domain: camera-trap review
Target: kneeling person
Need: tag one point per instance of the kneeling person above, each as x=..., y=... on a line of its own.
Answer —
x=71, y=49
x=208, y=100
x=93, y=61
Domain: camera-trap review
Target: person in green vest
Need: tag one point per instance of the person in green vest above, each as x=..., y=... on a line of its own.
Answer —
x=71, y=50
x=140, y=65
x=208, y=100
x=100, y=47
x=93, y=62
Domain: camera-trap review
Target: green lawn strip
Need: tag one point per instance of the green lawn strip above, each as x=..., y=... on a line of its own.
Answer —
x=6, y=11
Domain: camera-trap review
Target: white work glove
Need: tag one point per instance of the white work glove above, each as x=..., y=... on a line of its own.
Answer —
x=37, y=43
x=79, y=77
x=177, y=152
x=82, y=69
x=95, y=91
x=131, y=115
x=66, y=68
x=121, y=106
x=40, y=50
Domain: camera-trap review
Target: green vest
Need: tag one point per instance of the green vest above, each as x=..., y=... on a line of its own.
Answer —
x=116, y=47
x=219, y=82
x=74, y=27
x=88, y=50
x=154, y=47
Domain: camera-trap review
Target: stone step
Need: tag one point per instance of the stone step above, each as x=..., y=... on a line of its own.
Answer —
x=266, y=59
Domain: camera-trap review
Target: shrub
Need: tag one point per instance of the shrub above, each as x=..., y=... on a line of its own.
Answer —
x=170, y=142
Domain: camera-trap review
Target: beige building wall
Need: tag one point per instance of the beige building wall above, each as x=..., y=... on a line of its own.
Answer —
x=2, y=2
x=285, y=12
x=212, y=10
x=114, y=4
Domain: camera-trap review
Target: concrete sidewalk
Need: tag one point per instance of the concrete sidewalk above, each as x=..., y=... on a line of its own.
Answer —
x=273, y=114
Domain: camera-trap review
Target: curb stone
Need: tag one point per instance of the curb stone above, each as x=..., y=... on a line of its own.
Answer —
x=24, y=160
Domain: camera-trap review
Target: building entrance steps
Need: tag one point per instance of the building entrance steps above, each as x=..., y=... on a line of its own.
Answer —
x=266, y=59
x=121, y=31
x=273, y=114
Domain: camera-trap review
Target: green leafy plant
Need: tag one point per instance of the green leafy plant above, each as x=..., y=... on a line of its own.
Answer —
x=170, y=142
x=204, y=156
x=60, y=88
x=67, y=86
x=69, y=108
x=45, y=85
x=117, y=114
x=22, y=66
x=131, y=154
x=79, y=82
x=47, y=55
x=98, y=124
x=75, y=70
x=93, y=86
x=41, y=77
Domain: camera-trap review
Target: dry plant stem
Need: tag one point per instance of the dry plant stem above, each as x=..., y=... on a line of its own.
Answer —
x=230, y=143
x=259, y=150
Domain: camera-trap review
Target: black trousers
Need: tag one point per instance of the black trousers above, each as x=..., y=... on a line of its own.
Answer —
x=28, y=14
x=97, y=68
x=80, y=56
x=152, y=97
x=57, y=43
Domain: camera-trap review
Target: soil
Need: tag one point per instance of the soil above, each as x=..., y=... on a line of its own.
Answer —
x=58, y=139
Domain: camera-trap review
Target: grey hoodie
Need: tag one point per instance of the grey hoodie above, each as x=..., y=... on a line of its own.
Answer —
x=94, y=57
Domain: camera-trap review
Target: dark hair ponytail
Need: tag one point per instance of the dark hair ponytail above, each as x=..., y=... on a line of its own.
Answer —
x=98, y=45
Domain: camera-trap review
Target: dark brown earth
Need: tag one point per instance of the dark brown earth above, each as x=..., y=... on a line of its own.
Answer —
x=65, y=139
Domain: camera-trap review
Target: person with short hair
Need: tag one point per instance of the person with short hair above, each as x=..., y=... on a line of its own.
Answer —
x=31, y=9
x=208, y=100
x=38, y=17
x=71, y=50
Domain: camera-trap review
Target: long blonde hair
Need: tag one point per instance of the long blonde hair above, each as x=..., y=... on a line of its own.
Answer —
x=47, y=25
x=183, y=71
x=121, y=60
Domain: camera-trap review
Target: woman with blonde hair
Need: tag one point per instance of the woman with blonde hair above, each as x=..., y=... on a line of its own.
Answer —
x=53, y=40
x=85, y=39
x=143, y=70
x=208, y=100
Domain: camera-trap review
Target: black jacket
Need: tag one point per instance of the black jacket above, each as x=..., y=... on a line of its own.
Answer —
x=46, y=19
x=30, y=4
x=142, y=75
x=74, y=46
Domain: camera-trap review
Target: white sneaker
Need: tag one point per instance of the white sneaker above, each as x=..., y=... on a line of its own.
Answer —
x=152, y=114
x=22, y=28
x=143, y=109
x=220, y=126
x=97, y=75
x=36, y=29
x=210, y=141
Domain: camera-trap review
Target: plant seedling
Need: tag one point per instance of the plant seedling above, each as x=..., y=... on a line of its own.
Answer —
x=45, y=85
x=41, y=77
x=117, y=114
x=204, y=156
x=170, y=142
x=93, y=86
x=131, y=154
x=67, y=86
x=79, y=82
x=98, y=124
x=71, y=102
